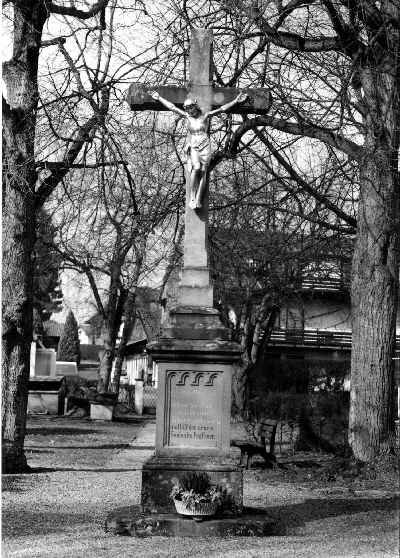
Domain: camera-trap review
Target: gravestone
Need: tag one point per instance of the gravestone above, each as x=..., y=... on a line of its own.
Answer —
x=47, y=395
x=42, y=361
x=64, y=368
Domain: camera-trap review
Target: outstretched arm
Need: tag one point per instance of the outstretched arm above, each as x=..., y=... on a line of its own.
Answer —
x=239, y=99
x=166, y=103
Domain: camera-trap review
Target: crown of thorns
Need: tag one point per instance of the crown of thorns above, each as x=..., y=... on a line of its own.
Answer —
x=190, y=102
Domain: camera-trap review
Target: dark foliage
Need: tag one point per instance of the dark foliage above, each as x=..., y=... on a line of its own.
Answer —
x=46, y=282
x=298, y=376
x=81, y=388
x=90, y=352
x=38, y=328
x=69, y=346
x=200, y=483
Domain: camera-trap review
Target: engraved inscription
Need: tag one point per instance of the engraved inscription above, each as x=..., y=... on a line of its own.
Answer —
x=194, y=409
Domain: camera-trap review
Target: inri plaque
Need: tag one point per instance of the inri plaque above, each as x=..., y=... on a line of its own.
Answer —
x=194, y=409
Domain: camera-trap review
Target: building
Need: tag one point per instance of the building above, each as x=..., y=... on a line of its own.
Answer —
x=53, y=331
x=145, y=328
x=316, y=324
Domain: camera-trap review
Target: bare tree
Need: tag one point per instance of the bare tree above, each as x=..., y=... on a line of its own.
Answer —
x=113, y=232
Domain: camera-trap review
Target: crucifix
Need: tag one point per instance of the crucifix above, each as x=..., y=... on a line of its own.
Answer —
x=198, y=102
x=194, y=352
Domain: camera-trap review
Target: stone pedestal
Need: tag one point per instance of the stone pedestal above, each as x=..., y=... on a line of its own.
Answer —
x=193, y=420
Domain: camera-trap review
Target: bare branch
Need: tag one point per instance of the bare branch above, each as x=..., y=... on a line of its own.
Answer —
x=303, y=184
x=56, y=41
x=263, y=43
x=75, y=12
x=284, y=12
x=78, y=80
x=59, y=164
x=293, y=41
x=48, y=185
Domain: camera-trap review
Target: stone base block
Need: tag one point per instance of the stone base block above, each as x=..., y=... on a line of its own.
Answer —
x=199, y=333
x=196, y=276
x=44, y=403
x=101, y=412
x=197, y=296
x=159, y=475
x=133, y=522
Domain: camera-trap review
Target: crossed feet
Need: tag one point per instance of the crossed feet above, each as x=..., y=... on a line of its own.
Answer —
x=194, y=204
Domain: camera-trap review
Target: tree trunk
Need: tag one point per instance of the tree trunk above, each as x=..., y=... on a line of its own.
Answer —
x=129, y=309
x=275, y=310
x=18, y=235
x=113, y=318
x=19, y=178
x=105, y=367
x=376, y=264
x=240, y=377
x=264, y=311
x=240, y=392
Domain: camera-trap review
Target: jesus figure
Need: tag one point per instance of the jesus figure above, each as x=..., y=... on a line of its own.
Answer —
x=199, y=149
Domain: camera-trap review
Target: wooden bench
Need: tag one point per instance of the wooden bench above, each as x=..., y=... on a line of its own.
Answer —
x=266, y=432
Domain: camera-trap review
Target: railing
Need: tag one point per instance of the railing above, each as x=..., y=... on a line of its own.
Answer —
x=150, y=383
x=314, y=337
x=149, y=396
x=325, y=284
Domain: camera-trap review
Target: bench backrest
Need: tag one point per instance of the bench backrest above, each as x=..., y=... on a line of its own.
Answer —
x=267, y=428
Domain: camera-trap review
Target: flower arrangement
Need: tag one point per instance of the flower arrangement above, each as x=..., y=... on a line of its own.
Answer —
x=196, y=489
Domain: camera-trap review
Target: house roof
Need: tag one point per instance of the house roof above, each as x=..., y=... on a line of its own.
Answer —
x=86, y=328
x=53, y=329
x=151, y=321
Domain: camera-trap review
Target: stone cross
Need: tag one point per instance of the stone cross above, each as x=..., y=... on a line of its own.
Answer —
x=194, y=353
x=195, y=289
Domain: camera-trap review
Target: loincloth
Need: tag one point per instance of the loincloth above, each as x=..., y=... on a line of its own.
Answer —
x=198, y=151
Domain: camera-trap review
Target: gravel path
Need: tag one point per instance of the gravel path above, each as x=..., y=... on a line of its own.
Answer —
x=60, y=511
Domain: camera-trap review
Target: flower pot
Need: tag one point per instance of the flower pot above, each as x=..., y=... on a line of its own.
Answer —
x=199, y=511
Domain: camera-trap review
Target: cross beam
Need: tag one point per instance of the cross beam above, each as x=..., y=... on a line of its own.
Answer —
x=258, y=102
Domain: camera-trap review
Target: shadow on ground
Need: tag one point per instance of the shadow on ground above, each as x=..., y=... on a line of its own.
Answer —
x=40, y=523
x=294, y=517
x=56, y=431
x=92, y=446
